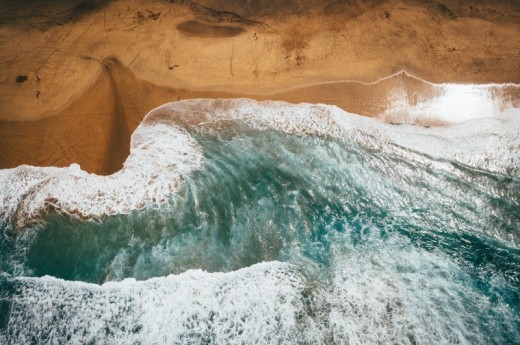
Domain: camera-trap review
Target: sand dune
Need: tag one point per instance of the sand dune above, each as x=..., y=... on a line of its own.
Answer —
x=78, y=76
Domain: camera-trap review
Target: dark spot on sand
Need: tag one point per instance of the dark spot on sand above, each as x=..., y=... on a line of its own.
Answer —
x=141, y=18
x=446, y=11
x=214, y=15
x=21, y=78
x=193, y=28
x=478, y=64
x=153, y=15
x=294, y=43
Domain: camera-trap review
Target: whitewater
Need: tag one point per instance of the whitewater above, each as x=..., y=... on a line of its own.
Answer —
x=235, y=221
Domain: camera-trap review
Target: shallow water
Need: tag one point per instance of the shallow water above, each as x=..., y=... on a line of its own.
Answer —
x=280, y=238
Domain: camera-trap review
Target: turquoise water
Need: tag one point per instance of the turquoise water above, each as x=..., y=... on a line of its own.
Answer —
x=371, y=247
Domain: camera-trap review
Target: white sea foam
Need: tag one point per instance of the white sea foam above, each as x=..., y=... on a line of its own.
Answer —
x=394, y=293
x=375, y=293
x=259, y=304
x=416, y=101
x=489, y=143
x=162, y=153
x=448, y=104
x=380, y=291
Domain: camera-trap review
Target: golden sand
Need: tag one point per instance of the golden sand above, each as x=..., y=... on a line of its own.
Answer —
x=77, y=77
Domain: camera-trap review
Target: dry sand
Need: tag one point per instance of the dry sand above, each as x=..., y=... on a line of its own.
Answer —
x=94, y=68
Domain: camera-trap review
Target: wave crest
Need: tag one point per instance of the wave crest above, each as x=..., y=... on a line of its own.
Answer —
x=163, y=152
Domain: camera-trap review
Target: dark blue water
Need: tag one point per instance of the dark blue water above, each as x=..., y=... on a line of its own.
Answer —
x=374, y=248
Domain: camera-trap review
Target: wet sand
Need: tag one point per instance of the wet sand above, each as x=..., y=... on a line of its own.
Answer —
x=78, y=77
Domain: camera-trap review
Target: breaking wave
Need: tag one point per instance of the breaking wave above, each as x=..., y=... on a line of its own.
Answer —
x=235, y=221
x=162, y=153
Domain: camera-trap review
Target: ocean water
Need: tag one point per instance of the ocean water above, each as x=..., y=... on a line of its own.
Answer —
x=286, y=224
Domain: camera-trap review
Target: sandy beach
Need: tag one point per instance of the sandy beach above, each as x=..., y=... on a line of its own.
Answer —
x=78, y=77
x=259, y=172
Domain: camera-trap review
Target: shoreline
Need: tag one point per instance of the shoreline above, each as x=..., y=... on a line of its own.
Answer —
x=163, y=152
x=94, y=130
x=78, y=76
